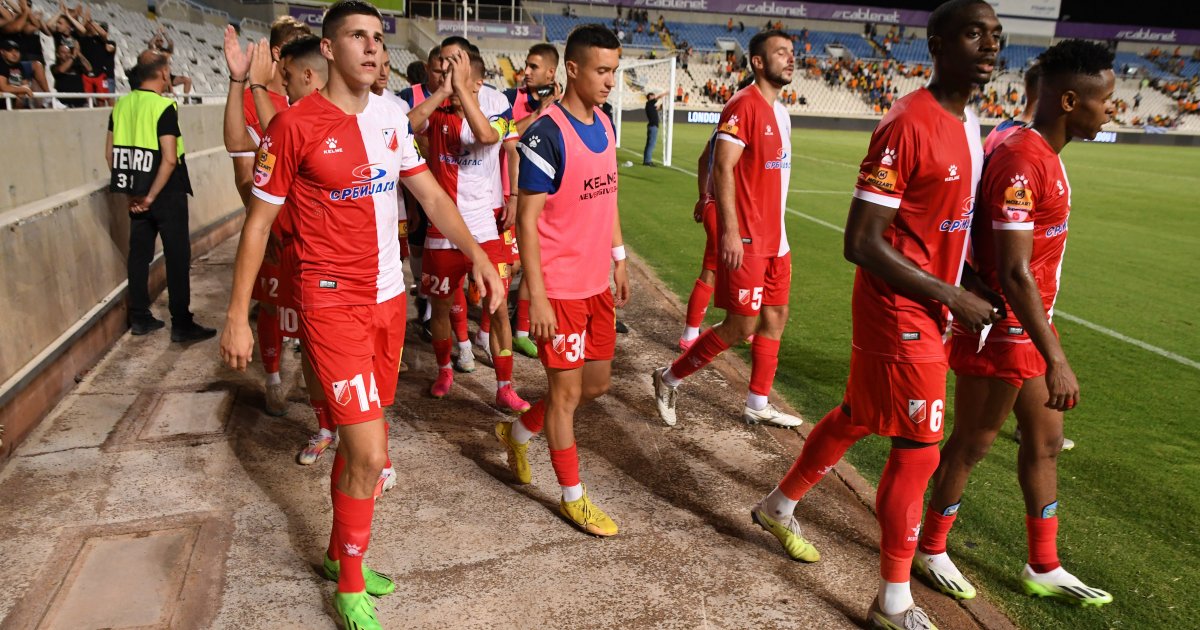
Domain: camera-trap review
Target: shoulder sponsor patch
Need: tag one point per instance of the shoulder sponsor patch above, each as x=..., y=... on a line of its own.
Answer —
x=1018, y=200
x=881, y=177
x=263, y=167
x=729, y=126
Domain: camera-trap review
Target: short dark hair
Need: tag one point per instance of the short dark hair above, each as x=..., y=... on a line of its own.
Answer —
x=758, y=43
x=461, y=42
x=589, y=36
x=342, y=9
x=415, y=73
x=477, y=65
x=146, y=69
x=545, y=50
x=285, y=29
x=435, y=52
x=302, y=47
x=1033, y=74
x=1074, y=57
x=943, y=17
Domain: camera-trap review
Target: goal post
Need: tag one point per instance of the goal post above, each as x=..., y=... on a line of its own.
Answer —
x=635, y=79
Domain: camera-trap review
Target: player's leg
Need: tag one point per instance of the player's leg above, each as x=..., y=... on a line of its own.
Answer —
x=364, y=453
x=465, y=361
x=1037, y=471
x=564, y=394
x=501, y=337
x=764, y=350
x=522, y=343
x=270, y=348
x=444, y=271
x=702, y=290
x=326, y=436
x=981, y=405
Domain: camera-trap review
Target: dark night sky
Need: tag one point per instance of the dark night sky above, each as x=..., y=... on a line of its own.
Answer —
x=1142, y=13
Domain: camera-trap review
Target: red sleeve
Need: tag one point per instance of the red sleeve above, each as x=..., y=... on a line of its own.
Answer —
x=737, y=121
x=1009, y=184
x=890, y=162
x=278, y=160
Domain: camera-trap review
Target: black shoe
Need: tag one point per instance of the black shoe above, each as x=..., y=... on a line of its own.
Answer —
x=192, y=332
x=621, y=327
x=145, y=326
x=649, y=164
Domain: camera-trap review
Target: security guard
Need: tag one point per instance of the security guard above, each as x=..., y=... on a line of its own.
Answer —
x=145, y=155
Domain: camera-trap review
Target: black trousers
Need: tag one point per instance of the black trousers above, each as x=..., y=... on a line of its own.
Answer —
x=167, y=216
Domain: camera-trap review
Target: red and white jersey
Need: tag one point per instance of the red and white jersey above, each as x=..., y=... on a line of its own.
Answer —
x=468, y=170
x=924, y=162
x=763, y=173
x=336, y=175
x=1024, y=187
x=250, y=112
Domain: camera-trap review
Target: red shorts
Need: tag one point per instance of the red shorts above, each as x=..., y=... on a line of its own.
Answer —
x=712, y=242
x=444, y=269
x=95, y=85
x=355, y=353
x=893, y=399
x=1012, y=363
x=760, y=281
x=587, y=331
x=273, y=283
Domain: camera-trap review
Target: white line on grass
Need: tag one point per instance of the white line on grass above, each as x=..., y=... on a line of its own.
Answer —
x=820, y=192
x=1167, y=354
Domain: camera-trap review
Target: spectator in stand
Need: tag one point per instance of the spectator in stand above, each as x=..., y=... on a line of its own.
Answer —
x=69, y=68
x=20, y=77
x=100, y=52
x=160, y=43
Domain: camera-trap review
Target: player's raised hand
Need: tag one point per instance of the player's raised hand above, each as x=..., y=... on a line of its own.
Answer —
x=262, y=66
x=458, y=72
x=620, y=284
x=237, y=345
x=543, y=325
x=237, y=60
x=1062, y=386
x=973, y=311
x=490, y=286
x=731, y=249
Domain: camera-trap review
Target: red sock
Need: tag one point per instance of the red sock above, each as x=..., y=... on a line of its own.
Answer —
x=936, y=528
x=698, y=303
x=270, y=339
x=535, y=418
x=829, y=440
x=441, y=352
x=764, y=360
x=485, y=322
x=321, y=411
x=339, y=464
x=566, y=465
x=523, y=316
x=352, y=520
x=898, y=507
x=708, y=345
x=1042, y=534
x=504, y=367
x=458, y=316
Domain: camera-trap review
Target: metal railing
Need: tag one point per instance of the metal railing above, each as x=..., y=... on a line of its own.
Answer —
x=194, y=6
x=45, y=100
x=451, y=10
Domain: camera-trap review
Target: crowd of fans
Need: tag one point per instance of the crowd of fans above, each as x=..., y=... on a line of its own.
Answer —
x=84, y=55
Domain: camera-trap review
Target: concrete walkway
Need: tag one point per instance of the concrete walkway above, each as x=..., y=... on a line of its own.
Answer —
x=158, y=495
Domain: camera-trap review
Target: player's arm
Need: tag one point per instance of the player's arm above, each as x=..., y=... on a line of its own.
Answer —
x=418, y=118
x=513, y=162
x=262, y=68
x=865, y=246
x=726, y=155
x=542, y=323
x=237, y=342
x=440, y=210
x=702, y=177
x=620, y=272
x=19, y=90
x=238, y=143
x=1014, y=247
x=550, y=99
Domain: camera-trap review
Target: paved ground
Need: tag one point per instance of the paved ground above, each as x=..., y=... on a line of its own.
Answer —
x=158, y=495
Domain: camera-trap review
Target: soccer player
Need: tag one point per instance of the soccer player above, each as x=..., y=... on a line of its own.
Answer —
x=540, y=90
x=704, y=213
x=265, y=98
x=750, y=174
x=338, y=156
x=1019, y=365
x=464, y=150
x=567, y=213
x=907, y=232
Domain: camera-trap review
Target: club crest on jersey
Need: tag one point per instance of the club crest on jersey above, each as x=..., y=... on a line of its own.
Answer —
x=559, y=344
x=341, y=392
x=889, y=157
x=916, y=411
x=1018, y=200
x=743, y=296
x=263, y=167
x=390, y=140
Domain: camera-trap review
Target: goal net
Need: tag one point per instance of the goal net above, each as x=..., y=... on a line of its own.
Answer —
x=635, y=80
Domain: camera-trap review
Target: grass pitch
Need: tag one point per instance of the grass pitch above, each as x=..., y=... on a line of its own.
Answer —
x=1130, y=491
